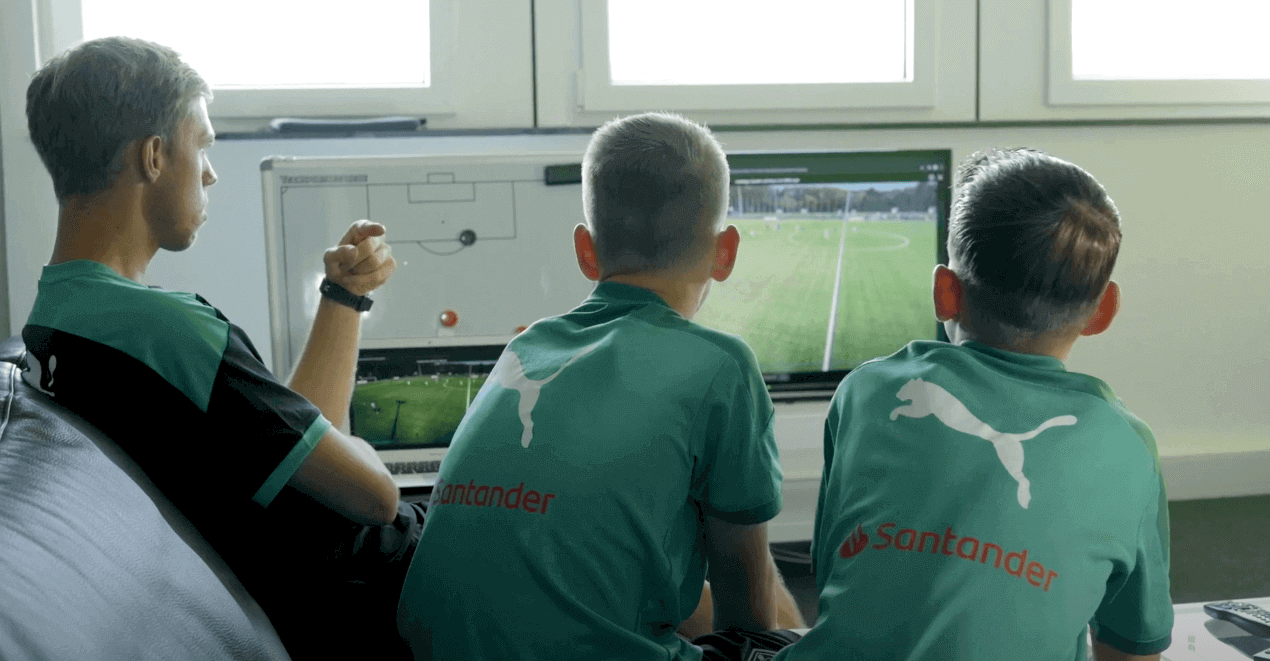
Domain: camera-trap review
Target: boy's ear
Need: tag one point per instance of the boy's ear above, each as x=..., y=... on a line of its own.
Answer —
x=584, y=246
x=1107, y=308
x=725, y=248
x=947, y=292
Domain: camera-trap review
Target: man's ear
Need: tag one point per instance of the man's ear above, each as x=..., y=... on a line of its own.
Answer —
x=584, y=246
x=947, y=292
x=725, y=247
x=1106, y=311
x=153, y=160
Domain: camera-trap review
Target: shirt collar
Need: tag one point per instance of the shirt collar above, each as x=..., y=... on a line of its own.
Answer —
x=79, y=268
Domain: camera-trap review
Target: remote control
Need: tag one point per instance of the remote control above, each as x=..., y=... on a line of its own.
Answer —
x=1252, y=619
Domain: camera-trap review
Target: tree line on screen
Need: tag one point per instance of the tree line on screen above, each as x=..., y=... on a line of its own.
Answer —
x=773, y=198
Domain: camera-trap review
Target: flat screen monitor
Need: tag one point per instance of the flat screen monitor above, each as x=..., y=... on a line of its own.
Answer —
x=835, y=262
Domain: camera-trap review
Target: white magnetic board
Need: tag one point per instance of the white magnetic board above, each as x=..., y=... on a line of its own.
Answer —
x=520, y=268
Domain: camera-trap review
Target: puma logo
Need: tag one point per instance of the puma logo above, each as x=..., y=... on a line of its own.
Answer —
x=36, y=377
x=927, y=398
x=509, y=373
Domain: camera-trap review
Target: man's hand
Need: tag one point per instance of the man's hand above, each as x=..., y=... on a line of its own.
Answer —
x=362, y=261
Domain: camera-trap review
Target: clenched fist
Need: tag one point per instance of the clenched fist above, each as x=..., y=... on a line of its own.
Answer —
x=362, y=261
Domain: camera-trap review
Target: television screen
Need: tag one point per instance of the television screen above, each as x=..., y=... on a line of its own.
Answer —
x=415, y=398
x=835, y=262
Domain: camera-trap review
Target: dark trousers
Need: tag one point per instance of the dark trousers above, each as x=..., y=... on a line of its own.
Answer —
x=744, y=645
x=336, y=595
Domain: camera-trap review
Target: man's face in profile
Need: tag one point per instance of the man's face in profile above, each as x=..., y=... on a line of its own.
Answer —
x=180, y=206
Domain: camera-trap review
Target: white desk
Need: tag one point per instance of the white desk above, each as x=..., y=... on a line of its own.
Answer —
x=1198, y=637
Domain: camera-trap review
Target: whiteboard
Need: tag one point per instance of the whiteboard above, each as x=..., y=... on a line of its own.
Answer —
x=520, y=268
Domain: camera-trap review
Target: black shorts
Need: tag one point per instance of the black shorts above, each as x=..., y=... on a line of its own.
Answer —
x=744, y=645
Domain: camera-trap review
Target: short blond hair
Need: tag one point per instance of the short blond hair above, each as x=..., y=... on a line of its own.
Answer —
x=654, y=188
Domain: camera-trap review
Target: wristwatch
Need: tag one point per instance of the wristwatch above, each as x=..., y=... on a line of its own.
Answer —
x=343, y=296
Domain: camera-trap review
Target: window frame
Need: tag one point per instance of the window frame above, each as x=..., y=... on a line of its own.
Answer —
x=599, y=94
x=574, y=86
x=459, y=33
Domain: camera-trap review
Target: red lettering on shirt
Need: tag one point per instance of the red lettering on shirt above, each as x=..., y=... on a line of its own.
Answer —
x=948, y=543
x=484, y=495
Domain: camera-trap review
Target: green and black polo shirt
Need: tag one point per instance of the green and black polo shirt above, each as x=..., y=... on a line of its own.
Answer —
x=167, y=377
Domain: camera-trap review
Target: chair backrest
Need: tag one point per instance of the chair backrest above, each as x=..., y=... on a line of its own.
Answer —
x=95, y=563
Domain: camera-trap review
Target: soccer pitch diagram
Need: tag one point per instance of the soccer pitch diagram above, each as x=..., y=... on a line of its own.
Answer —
x=797, y=272
x=420, y=410
x=483, y=245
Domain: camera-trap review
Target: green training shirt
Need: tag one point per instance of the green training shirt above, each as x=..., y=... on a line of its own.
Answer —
x=566, y=522
x=983, y=504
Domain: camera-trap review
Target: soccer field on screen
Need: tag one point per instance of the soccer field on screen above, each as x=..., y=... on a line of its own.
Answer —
x=424, y=409
x=779, y=296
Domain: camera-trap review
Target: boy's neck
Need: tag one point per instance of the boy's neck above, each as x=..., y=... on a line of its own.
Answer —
x=684, y=295
x=1057, y=346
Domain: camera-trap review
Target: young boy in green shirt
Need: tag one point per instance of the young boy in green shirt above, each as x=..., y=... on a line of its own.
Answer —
x=616, y=450
x=978, y=500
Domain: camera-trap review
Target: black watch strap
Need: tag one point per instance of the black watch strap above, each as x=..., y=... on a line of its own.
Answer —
x=343, y=296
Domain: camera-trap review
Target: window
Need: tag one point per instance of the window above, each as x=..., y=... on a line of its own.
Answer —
x=1136, y=40
x=279, y=58
x=285, y=43
x=1158, y=52
x=752, y=42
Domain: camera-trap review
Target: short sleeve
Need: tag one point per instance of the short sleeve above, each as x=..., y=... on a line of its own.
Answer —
x=279, y=426
x=741, y=473
x=1136, y=615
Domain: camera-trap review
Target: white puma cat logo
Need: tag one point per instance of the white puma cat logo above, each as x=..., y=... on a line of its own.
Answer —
x=509, y=373
x=34, y=374
x=930, y=399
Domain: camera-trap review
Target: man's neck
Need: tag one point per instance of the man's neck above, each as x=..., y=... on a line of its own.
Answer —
x=108, y=228
x=682, y=295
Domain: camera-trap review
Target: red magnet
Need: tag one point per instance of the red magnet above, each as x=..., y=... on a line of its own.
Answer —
x=449, y=318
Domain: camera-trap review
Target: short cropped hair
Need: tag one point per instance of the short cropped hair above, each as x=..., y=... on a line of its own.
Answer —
x=85, y=106
x=654, y=187
x=1033, y=239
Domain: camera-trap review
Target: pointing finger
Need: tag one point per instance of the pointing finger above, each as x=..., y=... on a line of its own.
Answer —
x=360, y=230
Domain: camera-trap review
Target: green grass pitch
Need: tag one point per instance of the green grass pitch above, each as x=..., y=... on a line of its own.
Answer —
x=779, y=295
x=429, y=408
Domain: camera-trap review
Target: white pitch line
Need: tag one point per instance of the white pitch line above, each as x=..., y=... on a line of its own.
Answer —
x=837, y=286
